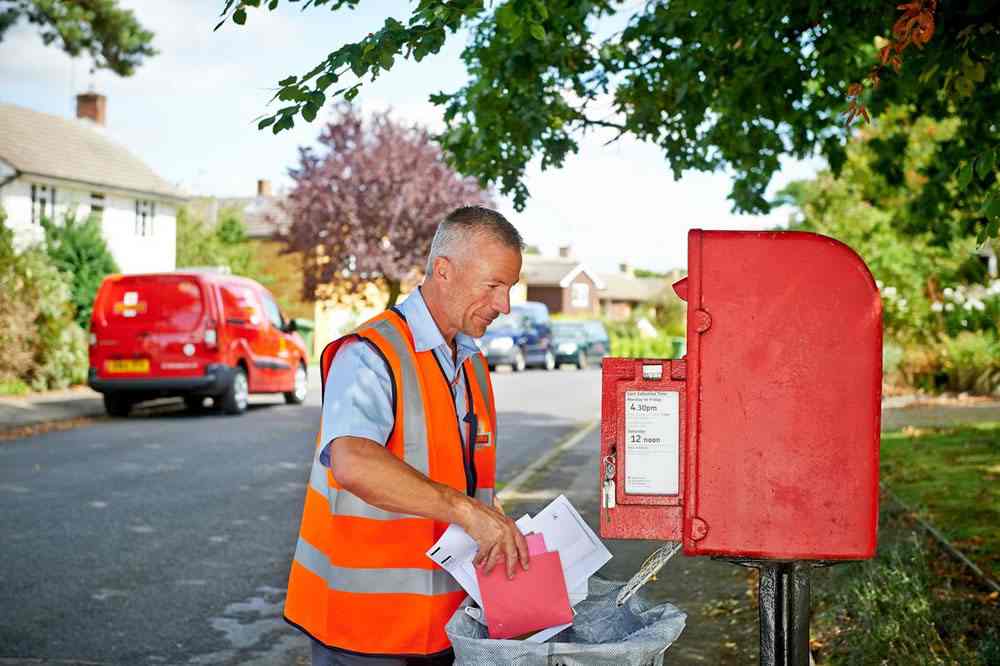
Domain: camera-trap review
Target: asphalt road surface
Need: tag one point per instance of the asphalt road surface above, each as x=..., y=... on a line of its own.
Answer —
x=165, y=538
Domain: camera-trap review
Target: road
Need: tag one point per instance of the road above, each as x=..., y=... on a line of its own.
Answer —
x=166, y=538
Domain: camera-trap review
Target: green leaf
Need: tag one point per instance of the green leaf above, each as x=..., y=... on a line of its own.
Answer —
x=287, y=81
x=351, y=93
x=240, y=16
x=309, y=112
x=984, y=164
x=538, y=32
x=267, y=122
x=991, y=208
x=325, y=81
x=272, y=5
x=965, y=175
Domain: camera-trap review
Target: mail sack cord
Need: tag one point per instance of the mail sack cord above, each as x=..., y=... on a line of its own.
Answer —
x=648, y=570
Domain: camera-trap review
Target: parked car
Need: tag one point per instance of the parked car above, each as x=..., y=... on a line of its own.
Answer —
x=193, y=335
x=503, y=342
x=569, y=338
x=599, y=343
x=538, y=350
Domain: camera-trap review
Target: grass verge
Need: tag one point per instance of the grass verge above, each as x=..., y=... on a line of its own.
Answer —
x=914, y=603
x=951, y=477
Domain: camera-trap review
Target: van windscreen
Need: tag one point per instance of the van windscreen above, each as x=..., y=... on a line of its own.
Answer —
x=154, y=302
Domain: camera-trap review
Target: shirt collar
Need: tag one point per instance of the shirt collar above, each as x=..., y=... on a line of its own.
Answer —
x=426, y=334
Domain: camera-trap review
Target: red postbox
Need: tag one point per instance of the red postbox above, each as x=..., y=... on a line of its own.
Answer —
x=763, y=442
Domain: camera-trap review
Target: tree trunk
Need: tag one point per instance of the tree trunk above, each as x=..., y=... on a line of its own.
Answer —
x=394, y=289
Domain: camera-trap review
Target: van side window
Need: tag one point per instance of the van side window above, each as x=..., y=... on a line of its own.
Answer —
x=239, y=305
x=273, y=312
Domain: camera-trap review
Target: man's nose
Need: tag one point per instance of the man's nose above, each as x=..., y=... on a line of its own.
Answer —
x=502, y=302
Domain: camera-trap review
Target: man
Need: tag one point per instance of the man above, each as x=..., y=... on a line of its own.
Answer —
x=407, y=446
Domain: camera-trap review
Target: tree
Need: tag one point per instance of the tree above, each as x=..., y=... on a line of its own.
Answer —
x=110, y=35
x=868, y=210
x=364, y=206
x=78, y=249
x=717, y=84
x=223, y=245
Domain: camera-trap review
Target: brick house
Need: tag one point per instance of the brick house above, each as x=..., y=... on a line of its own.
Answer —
x=562, y=283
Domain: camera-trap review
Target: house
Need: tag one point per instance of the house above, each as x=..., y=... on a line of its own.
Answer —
x=563, y=283
x=624, y=292
x=51, y=166
x=568, y=287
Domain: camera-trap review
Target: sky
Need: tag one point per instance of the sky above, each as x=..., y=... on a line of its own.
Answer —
x=189, y=114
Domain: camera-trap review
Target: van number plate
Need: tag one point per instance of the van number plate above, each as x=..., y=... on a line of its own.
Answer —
x=128, y=365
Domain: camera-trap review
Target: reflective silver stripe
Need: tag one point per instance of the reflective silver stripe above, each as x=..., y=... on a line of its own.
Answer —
x=415, y=450
x=345, y=503
x=485, y=495
x=482, y=373
x=374, y=581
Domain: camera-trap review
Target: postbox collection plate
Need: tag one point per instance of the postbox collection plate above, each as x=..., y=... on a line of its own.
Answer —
x=642, y=431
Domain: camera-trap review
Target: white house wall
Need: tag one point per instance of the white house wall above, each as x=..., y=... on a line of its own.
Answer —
x=134, y=253
x=15, y=197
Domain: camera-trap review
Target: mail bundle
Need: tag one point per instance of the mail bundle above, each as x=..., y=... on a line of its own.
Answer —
x=564, y=552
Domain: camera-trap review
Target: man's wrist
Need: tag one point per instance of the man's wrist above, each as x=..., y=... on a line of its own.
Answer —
x=459, y=508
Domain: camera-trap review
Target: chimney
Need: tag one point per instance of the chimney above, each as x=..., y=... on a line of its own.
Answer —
x=263, y=188
x=566, y=252
x=93, y=107
x=626, y=269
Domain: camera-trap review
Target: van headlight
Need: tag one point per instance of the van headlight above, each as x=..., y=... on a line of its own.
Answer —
x=502, y=344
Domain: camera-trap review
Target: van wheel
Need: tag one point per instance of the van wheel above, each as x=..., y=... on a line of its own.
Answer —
x=234, y=400
x=581, y=361
x=117, y=405
x=300, y=389
x=550, y=360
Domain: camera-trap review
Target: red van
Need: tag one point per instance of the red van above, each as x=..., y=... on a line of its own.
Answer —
x=192, y=334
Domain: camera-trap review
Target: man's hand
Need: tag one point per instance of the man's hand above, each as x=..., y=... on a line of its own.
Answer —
x=498, y=537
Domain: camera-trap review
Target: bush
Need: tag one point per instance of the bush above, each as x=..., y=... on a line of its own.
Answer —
x=43, y=347
x=225, y=245
x=971, y=362
x=77, y=248
x=626, y=342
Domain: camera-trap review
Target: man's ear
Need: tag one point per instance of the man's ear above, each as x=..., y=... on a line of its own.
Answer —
x=443, y=268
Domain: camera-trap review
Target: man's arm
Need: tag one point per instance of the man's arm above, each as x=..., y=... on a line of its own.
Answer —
x=366, y=469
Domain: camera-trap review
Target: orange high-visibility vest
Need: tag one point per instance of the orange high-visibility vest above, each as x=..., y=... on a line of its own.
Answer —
x=361, y=580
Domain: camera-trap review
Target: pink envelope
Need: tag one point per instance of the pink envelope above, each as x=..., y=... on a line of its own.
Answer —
x=536, y=543
x=534, y=599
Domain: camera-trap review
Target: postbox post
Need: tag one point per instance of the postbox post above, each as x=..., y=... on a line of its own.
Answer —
x=783, y=597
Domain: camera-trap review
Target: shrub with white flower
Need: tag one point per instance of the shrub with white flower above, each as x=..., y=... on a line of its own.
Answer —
x=969, y=308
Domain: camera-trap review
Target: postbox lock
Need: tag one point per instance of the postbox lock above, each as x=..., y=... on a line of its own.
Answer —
x=699, y=529
x=702, y=321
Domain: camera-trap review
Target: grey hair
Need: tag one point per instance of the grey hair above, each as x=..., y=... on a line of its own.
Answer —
x=464, y=224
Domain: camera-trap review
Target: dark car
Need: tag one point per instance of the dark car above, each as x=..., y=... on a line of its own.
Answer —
x=503, y=343
x=569, y=339
x=598, y=342
x=537, y=345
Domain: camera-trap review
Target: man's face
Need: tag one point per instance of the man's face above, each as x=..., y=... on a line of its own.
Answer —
x=479, y=288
